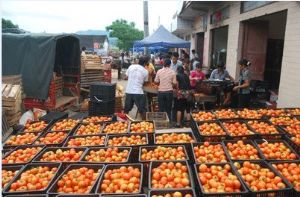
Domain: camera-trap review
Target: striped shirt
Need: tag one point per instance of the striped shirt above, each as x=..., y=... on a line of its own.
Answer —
x=166, y=77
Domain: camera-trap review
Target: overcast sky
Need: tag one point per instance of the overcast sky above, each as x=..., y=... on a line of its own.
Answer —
x=69, y=16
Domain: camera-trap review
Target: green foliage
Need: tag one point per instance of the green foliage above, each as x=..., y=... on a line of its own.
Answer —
x=125, y=32
x=8, y=24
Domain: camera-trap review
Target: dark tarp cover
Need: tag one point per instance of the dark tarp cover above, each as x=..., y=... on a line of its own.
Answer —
x=162, y=37
x=36, y=56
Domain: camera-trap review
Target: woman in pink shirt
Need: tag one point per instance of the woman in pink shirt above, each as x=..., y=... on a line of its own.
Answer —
x=196, y=75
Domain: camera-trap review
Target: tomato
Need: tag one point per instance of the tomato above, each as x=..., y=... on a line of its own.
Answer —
x=203, y=116
x=284, y=120
x=237, y=128
x=64, y=125
x=263, y=127
x=108, y=155
x=249, y=114
x=35, y=127
x=61, y=155
x=52, y=138
x=88, y=129
x=277, y=150
x=211, y=129
x=7, y=176
x=116, y=127
x=163, y=153
x=142, y=127
x=21, y=139
x=96, y=119
x=22, y=155
x=242, y=151
x=209, y=153
x=86, y=141
x=226, y=114
x=171, y=138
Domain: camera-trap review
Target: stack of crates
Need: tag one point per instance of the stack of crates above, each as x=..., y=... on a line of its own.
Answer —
x=102, y=99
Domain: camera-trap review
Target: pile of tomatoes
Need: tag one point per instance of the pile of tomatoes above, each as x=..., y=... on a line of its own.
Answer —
x=64, y=125
x=35, y=126
x=124, y=179
x=171, y=138
x=95, y=140
x=170, y=175
x=259, y=178
x=218, y=179
x=272, y=112
x=78, y=180
x=276, y=151
x=203, y=116
x=226, y=114
x=211, y=129
x=295, y=112
x=209, y=153
x=116, y=127
x=293, y=129
x=284, y=120
x=22, y=155
x=249, y=114
x=52, y=138
x=61, y=155
x=242, y=151
x=21, y=139
x=172, y=194
x=262, y=127
x=237, y=129
x=88, y=129
x=296, y=139
x=127, y=140
x=96, y=119
x=7, y=176
x=163, y=153
x=142, y=127
x=36, y=178
x=109, y=155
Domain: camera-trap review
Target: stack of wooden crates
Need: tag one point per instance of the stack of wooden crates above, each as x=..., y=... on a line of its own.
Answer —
x=12, y=98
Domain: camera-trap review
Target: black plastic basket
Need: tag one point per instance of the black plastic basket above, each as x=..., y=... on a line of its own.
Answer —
x=134, y=122
x=197, y=111
x=155, y=164
x=105, y=148
x=239, y=137
x=27, y=167
x=49, y=122
x=295, y=146
x=211, y=143
x=287, y=192
x=116, y=166
x=23, y=147
x=100, y=130
x=244, y=191
x=97, y=108
x=133, y=195
x=84, y=121
x=248, y=118
x=296, y=193
x=170, y=191
x=274, y=136
x=11, y=168
x=219, y=118
x=292, y=111
x=6, y=151
x=292, y=117
x=106, y=90
x=58, y=144
x=225, y=142
x=37, y=159
x=112, y=122
x=28, y=195
x=277, y=109
x=14, y=146
x=79, y=195
x=78, y=121
x=53, y=189
x=54, y=116
x=188, y=133
x=212, y=138
x=274, y=141
x=110, y=136
x=85, y=136
x=284, y=130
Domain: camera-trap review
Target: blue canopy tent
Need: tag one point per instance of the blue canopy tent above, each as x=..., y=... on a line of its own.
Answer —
x=151, y=49
x=163, y=38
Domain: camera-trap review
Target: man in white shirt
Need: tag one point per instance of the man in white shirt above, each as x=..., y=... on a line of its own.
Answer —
x=175, y=63
x=137, y=76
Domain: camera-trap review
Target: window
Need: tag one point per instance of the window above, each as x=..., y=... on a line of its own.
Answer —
x=251, y=5
x=219, y=15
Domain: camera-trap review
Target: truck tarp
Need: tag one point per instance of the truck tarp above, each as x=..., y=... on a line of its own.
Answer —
x=36, y=56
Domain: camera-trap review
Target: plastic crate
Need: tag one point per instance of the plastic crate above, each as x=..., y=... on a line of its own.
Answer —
x=23, y=147
x=11, y=168
x=287, y=133
x=28, y=195
x=174, y=142
x=135, y=122
x=45, y=129
x=110, y=136
x=120, y=149
x=54, y=116
x=274, y=136
x=58, y=121
x=244, y=191
x=86, y=119
x=117, y=166
x=84, y=124
x=112, y=122
x=274, y=141
x=53, y=144
x=239, y=137
x=37, y=159
x=222, y=118
x=295, y=146
x=211, y=138
x=53, y=189
x=258, y=116
x=85, y=136
x=287, y=192
x=159, y=116
x=259, y=153
x=28, y=167
x=106, y=91
x=159, y=125
x=210, y=143
x=134, y=195
x=6, y=151
x=170, y=191
x=155, y=164
x=13, y=146
x=97, y=108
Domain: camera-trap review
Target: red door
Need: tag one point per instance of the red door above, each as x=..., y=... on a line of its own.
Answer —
x=255, y=47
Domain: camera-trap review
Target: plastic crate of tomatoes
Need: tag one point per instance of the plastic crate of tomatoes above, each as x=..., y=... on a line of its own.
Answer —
x=170, y=175
x=219, y=180
x=133, y=140
x=124, y=179
x=242, y=150
x=21, y=139
x=53, y=138
x=6, y=151
x=291, y=130
x=88, y=129
x=265, y=129
x=290, y=170
x=294, y=142
x=273, y=150
x=199, y=116
x=173, y=193
x=267, y=113
x=107, y=155
x=238, y=129
x=293, y=111
x=33, y=179
x=68, y=124
x=77, y=179
x=78, y=195
x=261, y=179
x=9, y=173
x=116, y=127
x=209, y=152
x=225, y=114
x=22, y=155
x=96, y=119
x=211, y=131
x=86, y=141
x=174, y=138
x=252, y=114
x=28, y=195
x=60, y=154
x=36, y=126
x=284, y=120
x=143, y=127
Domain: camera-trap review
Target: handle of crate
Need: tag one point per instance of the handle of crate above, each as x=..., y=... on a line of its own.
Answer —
x=99, y=100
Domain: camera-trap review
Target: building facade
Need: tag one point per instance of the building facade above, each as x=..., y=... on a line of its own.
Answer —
x=266, y=33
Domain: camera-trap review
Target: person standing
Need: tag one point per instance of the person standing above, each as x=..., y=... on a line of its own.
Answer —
x=121, y=65
x=83, y=49
x=166, y=78
x=243, y=87
x=194, y=54
x=137, y=76
x=175, y=63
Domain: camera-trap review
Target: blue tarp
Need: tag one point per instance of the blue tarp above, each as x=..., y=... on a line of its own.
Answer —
x=162, y=37
x=151, y=49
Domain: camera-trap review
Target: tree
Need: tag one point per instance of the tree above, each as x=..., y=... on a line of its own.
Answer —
x=8, y=24
x=125, y=32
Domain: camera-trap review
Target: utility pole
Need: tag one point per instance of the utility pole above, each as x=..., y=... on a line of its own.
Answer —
x=146, y=23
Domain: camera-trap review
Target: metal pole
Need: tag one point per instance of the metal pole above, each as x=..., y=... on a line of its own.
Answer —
x=146, y=23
